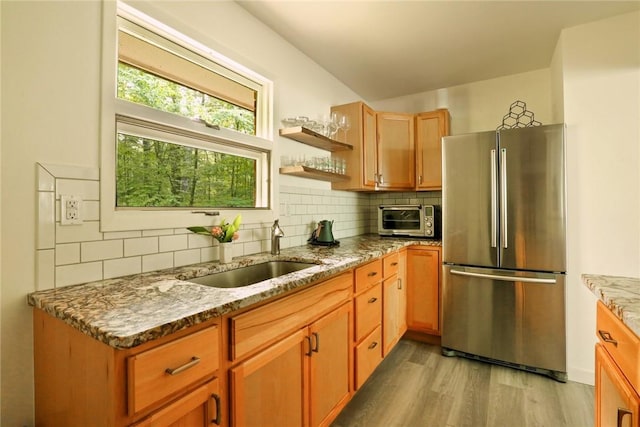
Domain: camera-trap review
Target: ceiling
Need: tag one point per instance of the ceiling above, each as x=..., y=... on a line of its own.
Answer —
x=386, y=49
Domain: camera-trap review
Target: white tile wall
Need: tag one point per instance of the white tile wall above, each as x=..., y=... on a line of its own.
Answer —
x=68, y=255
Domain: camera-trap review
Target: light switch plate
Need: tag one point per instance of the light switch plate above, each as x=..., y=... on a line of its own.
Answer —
x=70, y=210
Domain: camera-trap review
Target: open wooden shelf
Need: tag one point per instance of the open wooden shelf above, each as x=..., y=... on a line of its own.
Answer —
x=307, y=172
x=309, y=137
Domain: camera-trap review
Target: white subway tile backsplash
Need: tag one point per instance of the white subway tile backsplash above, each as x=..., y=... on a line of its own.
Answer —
x=90, y=210
x=199, y=240
x=87, y=231
x=173, y=243
x=160, y=232
x=88, y=190
x=191, y=256
x=101, y=250
x=68, y=253
x=46, y=181
x=122, y=267
x=209, y=254
x=46, y=220
x=78, y=273
x=72, y=172
x=140, y=246
x=45, y=277
x=157, y=261
x=122, y=235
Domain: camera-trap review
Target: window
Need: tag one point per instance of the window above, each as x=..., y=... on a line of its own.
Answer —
x=184, y=129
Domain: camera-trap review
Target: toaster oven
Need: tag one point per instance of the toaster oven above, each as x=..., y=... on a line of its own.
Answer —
x=410, y=220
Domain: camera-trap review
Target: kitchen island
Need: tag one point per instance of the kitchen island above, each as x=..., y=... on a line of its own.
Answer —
x=617, y=382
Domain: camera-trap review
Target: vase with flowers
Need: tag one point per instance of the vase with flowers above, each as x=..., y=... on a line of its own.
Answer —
x=225, y=233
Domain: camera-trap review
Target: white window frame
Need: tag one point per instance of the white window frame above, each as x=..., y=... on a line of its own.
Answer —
x=125, y=219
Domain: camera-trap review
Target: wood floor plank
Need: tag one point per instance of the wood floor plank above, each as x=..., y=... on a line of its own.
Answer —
x=415, y=386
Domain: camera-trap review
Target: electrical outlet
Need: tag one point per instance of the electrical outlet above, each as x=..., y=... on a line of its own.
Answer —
x=70, y=210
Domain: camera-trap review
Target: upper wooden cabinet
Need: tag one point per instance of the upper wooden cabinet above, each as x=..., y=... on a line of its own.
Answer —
x=396, y=151
x=392, y=151
x=362, y=160
x=430, y=128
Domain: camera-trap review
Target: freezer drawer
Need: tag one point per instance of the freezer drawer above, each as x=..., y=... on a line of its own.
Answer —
x=512, y=317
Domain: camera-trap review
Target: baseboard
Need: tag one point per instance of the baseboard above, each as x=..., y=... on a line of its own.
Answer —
x=582, y=376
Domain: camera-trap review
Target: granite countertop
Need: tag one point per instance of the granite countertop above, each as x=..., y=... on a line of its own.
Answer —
x=620, y=294
x=128, y=311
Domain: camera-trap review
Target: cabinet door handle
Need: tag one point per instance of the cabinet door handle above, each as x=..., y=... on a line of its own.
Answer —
x=419, y=179
x=308, y=339
x=606, y=337
x=372, y=300
x=372, y=273
x=399, y=283
x=218, y=417
x=373, y=345
x=175, y=371
x=316, y=348
x=621, y=413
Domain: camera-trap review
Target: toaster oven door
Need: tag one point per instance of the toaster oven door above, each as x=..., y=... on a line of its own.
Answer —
x=400, y=221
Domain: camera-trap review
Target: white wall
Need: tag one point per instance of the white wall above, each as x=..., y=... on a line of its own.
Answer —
x=601, y=94
x=480, y=106
x=50, y=114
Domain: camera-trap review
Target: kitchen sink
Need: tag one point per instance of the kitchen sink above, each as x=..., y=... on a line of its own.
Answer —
x=245, y=276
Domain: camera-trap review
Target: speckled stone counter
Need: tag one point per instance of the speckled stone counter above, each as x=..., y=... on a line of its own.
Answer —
x=620, y=294
x=128, y=311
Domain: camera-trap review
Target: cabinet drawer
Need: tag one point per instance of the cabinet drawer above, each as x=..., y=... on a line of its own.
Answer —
x=368, y=356
x=368, y=275
x=256, y=328
x=164, y=370
x=368, y=311
x=621, y=343
x=390, y=265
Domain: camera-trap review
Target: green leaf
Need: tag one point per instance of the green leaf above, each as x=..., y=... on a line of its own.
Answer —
x=200, y=230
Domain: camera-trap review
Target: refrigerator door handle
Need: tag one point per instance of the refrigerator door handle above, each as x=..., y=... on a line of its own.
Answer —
x=505, y=278
x=503, y=196
x=494, y=201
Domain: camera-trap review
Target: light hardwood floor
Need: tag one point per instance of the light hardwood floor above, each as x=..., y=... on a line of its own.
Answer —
x=415, y=386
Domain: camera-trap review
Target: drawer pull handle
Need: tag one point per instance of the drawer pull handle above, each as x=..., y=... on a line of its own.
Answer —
x=218, y=417
x=373, y=345
x=606, y=337
x=316, y=348
x=372, y=273
x=175, y=371
x=372, y=300
x=393, y=264
x=621, y=413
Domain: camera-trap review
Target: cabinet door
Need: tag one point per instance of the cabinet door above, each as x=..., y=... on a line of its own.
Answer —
x=329, y=365
x=391, y=320
x=270, y=388
x=617, y=403
x=396, y=151
x=201, y=408
x=430, y=128
x=362, y=160
x=423, y=293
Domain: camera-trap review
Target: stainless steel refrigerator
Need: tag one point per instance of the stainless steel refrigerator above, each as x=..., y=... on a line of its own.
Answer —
x=504, y=262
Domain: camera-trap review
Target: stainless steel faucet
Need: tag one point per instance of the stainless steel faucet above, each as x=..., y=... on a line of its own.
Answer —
x=276, y=234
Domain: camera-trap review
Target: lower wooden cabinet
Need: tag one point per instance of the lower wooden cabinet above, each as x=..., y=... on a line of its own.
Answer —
x=423, y=293
x=617, y=403
x=301, y=380
x=617, y=372
x=394, y=301
x=199, y=408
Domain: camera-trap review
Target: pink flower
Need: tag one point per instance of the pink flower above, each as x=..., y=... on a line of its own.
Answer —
x=236, y=236
x=217, y=232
